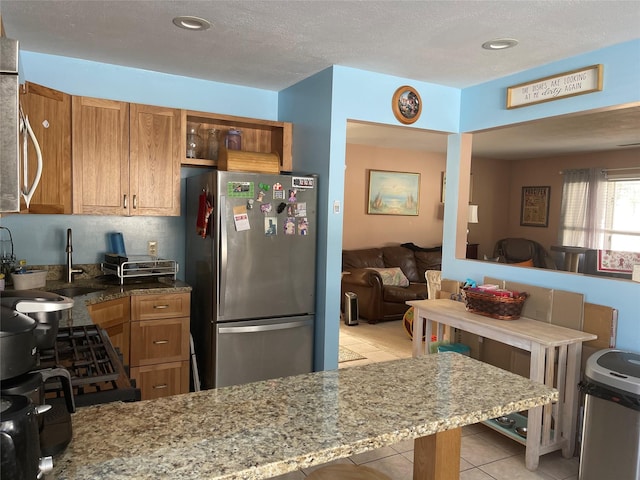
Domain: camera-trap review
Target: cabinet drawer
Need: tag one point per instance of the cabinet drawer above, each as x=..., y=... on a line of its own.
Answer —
x=156, y=341
x=162, y=380
x=148, y=307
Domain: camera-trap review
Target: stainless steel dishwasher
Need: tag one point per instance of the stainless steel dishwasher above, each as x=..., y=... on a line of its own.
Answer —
x=611, y=425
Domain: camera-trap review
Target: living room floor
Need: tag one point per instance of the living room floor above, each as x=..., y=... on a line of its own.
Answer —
x=485, y=454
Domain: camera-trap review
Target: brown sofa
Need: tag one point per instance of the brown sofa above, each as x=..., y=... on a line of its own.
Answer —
x=381, y=300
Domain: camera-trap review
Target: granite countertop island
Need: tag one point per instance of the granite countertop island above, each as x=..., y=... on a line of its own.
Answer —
x=264, y=429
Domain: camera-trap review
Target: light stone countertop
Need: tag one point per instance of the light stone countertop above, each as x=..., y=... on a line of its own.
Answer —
x=264, y=429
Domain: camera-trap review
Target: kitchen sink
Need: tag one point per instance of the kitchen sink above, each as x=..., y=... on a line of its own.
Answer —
x=75, y=291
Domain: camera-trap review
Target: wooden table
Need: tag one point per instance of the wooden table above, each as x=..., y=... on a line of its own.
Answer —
x=552, y=347
x=264, y=429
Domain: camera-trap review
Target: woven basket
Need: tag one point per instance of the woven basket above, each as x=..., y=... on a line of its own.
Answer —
x=501, y=308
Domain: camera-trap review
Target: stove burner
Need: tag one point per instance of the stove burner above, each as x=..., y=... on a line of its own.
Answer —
x=97, y=373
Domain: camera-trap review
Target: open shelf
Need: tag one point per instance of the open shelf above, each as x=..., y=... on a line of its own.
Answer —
x=260, y=136
x=521, y=421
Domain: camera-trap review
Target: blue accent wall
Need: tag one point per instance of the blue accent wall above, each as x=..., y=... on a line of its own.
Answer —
x=320, y=107
x=308, y=105
x=101, y=80
x=484, y=106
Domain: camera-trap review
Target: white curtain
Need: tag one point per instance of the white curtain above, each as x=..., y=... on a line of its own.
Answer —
x=582, y=216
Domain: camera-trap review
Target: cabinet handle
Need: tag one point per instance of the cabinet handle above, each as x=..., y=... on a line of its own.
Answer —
x=157, y=387
x=135, y=201
x=124, y=202
x=160, y=342
x=161, y=307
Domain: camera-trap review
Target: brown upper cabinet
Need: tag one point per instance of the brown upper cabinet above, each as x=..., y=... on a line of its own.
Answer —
x=263, y=136
x=49, y=114
x=126, y=158
x=106, y=157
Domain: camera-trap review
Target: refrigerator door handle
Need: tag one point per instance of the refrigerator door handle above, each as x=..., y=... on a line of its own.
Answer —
x=223, y=253
x=263, y=328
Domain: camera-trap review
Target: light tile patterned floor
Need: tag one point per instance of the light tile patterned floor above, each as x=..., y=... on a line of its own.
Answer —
x=485, y=454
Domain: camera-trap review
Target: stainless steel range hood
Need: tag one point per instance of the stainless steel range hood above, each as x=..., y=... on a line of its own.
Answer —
x=9, y=128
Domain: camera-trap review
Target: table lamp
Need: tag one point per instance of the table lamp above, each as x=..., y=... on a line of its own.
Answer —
x=472, y=217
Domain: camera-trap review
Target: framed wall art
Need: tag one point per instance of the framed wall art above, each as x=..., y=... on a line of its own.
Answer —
x=393, y=193
x=534, y=209
x=406, y=104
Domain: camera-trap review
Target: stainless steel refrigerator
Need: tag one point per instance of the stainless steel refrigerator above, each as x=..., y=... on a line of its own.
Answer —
x=250, y=259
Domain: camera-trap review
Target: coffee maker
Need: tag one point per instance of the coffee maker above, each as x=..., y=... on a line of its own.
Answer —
x=46, y=309
x=20, y=451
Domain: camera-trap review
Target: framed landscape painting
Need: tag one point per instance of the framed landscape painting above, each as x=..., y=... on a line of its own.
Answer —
x=393, y=193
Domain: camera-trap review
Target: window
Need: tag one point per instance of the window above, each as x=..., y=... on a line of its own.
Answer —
x=622, y=215
x=601, y=209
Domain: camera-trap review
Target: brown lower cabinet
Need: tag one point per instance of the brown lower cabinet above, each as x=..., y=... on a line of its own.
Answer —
x=152, y=332
x=162, y=379
x=159, y=357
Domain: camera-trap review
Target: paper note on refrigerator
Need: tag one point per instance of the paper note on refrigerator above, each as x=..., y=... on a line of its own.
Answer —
x=240, y=218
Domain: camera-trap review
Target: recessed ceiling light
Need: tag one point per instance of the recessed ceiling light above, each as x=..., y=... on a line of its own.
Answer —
x=500, y=44
x=191, y=23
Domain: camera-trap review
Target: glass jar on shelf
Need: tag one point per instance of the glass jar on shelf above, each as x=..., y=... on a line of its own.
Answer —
x=213, y=143
x=233, y=140
x=194, y=141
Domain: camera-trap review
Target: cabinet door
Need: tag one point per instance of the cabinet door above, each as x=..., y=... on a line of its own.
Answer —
x=49, y=114
x=157, y=341
x=100, y=137
x=113, y=317
x=162, y=380
x=155, y=154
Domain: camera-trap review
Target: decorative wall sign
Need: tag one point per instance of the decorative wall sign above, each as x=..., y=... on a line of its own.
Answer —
x=393, y=193
x=534, y=211
x=554, y=87
x=406, y=104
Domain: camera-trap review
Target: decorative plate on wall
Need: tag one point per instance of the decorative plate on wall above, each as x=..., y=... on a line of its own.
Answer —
x=406, y=104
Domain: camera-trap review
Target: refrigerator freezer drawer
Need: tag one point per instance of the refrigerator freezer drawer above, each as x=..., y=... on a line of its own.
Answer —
x=249, y=351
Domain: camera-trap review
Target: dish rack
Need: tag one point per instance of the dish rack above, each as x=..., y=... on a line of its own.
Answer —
x=142, y=267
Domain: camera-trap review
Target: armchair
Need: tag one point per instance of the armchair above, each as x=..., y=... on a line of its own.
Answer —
x=520, y=250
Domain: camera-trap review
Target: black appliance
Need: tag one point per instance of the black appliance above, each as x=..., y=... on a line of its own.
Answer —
x=19, y=416
x=47, y=308
x=19, y=448
x=32, y=385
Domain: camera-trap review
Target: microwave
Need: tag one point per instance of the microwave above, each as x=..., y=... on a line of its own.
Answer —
x=10, y=127
x=15, y=131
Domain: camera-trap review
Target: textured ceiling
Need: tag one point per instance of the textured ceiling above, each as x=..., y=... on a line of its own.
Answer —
x=272, y=44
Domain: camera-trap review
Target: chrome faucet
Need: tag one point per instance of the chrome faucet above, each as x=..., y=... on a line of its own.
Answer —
x=69, y=267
